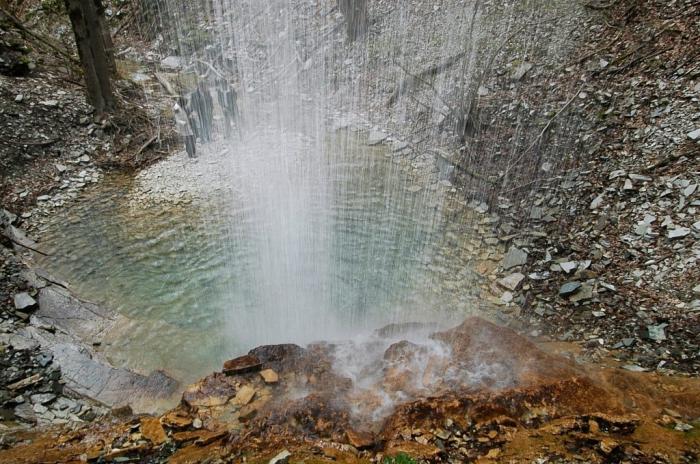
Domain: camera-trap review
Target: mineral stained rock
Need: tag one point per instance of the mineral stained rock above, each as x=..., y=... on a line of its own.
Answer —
x=476, y=391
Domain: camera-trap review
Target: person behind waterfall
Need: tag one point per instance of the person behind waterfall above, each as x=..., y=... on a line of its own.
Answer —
x=202, y=107
x=183, y=126
x=228, y=99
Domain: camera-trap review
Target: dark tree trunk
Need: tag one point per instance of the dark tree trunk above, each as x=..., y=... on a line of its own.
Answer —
x=355, y=12
x=106, y=38
x=87, y=18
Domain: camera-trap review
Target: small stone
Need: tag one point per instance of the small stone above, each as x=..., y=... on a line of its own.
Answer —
x=244, y=395
x=42, y=398
x=678, y=232
x=689, y=190
x=197, y=423
x=49, y=103
x=61, y=167
x=360, y=440
x=507, y=297
x=608, y=286
x=597, y=202
x=511, y=282
x=376, y=137
x=644, y=225
x=43, y=198
x=569, y=288
x=25, y=412
x=536, y=213
x=44, y=359
x=521, y=71
x=398, y=145
x=153, y=431
x=242, y=365
x=514, y=257
x=683, y=427
x=269, y=376
x=281, y=458
x=628, y=185
x=172, y=62
x=607, y=446
x=640, y=178
x=593, y=426
x=656, y=332
x=568, y=266
x=19, y=97
x=442, y=434
x=694, y=135
x=23, y=301
x=40, y=408
x=584, y=293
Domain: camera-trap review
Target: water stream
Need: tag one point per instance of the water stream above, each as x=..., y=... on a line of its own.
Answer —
x=286, y=229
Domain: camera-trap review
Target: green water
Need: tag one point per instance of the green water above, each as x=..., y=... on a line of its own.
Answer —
x=182, y=273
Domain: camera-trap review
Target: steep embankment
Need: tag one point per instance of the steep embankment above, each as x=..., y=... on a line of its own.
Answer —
x=612, y=260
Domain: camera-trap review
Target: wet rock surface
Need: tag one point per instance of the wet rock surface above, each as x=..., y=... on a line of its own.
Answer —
x=552, y=407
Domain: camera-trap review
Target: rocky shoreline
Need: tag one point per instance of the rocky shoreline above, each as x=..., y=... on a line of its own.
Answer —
x=50, y=341
x=285, y=403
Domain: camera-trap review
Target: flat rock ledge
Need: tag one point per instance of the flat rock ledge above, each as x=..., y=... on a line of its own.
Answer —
x=70, y=329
